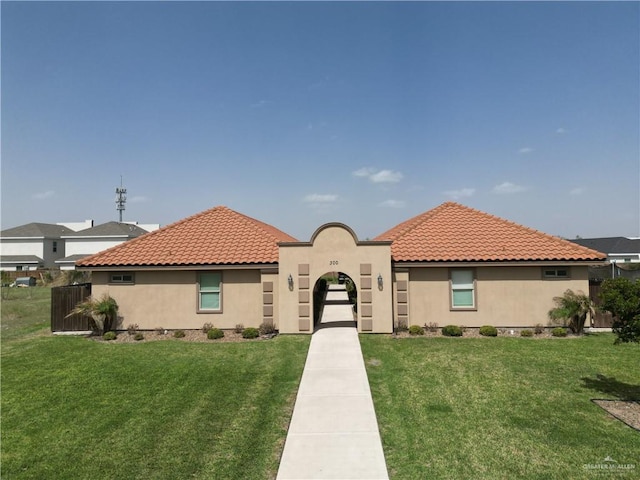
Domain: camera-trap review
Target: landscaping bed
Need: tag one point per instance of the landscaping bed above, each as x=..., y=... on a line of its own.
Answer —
x=189, y=336
x=473, y=332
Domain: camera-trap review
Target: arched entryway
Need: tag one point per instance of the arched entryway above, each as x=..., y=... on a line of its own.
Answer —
x=335, y=301
x=333, y=249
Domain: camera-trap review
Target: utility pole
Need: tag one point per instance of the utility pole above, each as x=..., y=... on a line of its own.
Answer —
x=121, y=198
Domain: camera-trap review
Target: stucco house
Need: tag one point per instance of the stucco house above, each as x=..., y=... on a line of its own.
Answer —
x=91, y=240
x=450, y=265
x=623, y=256
x=32, y=246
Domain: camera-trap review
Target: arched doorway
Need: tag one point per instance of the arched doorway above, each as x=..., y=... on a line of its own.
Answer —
x=335, y=301
x=335, y=249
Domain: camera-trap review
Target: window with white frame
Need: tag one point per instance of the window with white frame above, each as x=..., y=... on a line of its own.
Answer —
x=556, y=272
x=463, y=289
x=209, y=292
x=121, y=278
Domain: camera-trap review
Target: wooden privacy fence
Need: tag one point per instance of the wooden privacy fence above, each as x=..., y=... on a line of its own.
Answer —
x=63, y=300
x=600, y=319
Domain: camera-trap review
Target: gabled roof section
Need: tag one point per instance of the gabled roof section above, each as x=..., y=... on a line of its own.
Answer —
x=6, y=259
x=454, y=233
x=219, y=236
x=611, y=245
x=110, y=229
x=36, y=230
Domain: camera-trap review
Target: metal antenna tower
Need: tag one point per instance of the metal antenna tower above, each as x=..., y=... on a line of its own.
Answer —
x=121, y=198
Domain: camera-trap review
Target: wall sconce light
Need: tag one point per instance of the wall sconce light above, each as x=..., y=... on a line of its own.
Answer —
x=379, y=281
x=290, y=281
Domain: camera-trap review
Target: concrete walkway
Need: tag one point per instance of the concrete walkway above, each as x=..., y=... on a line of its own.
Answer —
x=334, y=431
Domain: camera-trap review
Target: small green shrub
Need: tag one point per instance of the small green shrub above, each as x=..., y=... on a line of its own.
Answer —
x=214, y=334
x=452, y=331
x=559, y=332
x=132, y=328
x=416, y=330
x=239, y=328
x=250, y=332
x=526, y=333
x=179, y=334
x=538, y=329
x=488, y=331
x=138, y=336
x=267, y=328
x=109, y=336
x=206, y=327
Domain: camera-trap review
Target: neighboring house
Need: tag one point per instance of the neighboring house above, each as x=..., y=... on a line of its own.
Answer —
x=95, y=239
x=32, y=246
x=450, y=265
x=623, y=255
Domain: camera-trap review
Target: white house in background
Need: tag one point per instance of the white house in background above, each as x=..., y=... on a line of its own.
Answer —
x=79, y=245
x=48, y=245
x=623, y=256
x=32, y=246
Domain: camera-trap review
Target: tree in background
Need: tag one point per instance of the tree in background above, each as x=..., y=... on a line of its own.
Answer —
x=621, y=297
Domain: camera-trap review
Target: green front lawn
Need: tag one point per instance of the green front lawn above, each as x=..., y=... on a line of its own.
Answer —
x=78, y=408
x=492, y=408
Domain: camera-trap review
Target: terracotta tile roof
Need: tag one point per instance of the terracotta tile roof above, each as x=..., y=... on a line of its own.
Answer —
x=454, y=233
x=218, y=236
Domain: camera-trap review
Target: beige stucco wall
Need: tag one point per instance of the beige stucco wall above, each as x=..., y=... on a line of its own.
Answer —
x=334, y=248
x=509, y=296
x=169, y=299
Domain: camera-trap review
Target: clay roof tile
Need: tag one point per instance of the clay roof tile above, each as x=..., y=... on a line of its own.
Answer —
x=454, y=232
x=214, y=237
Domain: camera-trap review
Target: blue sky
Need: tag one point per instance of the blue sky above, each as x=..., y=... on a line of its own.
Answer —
x=303, y=113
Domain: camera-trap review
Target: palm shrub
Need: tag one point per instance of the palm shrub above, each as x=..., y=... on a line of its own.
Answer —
x=102, y=312
x=573, y=308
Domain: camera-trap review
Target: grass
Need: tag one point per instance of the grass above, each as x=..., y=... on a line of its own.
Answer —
x=78, y=408
x=492, y=408
x=25, y=311
x=486, y=408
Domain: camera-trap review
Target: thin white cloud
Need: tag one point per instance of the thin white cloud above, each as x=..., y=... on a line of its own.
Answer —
x=138, y=199
x=460, y=193
x=560, y=131
x=43, y=195
x=576, y=191
x=364, y=172
x=386, y=176
x=525, y=150
x=320, y=198
x=261, y=103
x=393, y=203
x=378, y=176
x=506, y=188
